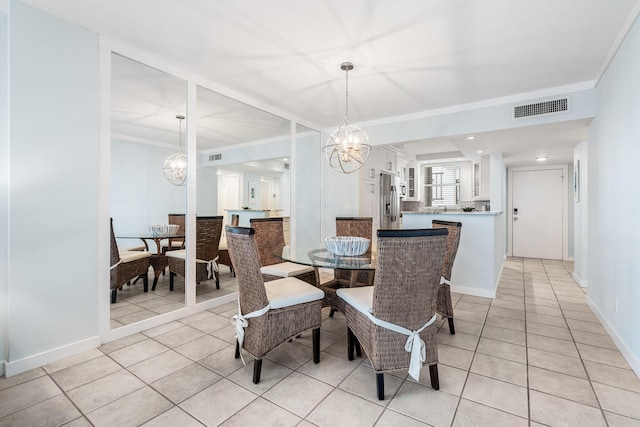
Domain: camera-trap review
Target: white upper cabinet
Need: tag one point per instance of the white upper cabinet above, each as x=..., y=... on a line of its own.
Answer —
x=387, y=161
x=370, y=169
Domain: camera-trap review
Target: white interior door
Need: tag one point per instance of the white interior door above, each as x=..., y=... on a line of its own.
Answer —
x=537, y=213
x=228, y=194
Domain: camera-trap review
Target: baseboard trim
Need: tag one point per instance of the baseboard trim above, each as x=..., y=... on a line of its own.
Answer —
x=2, y=363
x=49, y=356
x=579, y=281
x=476, y=292
x=631, y=358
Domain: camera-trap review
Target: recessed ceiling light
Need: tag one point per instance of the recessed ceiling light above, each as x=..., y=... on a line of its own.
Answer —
x=541, y=158
x=285, y=160
x=479, y=151
x=471, y=137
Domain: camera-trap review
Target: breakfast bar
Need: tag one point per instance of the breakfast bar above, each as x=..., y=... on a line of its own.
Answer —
x=481, y=253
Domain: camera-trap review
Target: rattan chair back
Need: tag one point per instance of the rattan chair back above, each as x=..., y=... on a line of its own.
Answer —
x=177, y=219
x=269, y=238
x=405, y=290
x=355, y=226
x=115, y=255
x=208, y=232
x=453, y=240
x=243, y=251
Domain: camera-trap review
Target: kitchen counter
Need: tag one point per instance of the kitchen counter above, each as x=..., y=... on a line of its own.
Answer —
x=441, y=212
x=481, y=253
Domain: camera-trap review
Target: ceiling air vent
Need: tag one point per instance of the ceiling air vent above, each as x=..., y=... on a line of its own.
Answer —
x=214, y=157
x=553, y=106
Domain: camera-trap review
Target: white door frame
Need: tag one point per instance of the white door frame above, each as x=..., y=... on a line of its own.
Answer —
x=565, y=205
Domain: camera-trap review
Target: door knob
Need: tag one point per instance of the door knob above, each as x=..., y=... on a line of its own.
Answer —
x=515, y=218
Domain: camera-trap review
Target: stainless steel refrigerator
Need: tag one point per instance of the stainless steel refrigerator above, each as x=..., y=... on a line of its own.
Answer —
x=389, y=202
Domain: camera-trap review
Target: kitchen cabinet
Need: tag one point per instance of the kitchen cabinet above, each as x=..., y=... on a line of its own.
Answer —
x=481, y=170
x=370, y=171
x=369, y=196
x=413, y=183
x=387, y=160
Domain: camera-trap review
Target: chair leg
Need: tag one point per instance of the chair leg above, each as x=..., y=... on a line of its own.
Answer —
x=217, y=276
x=171, y=276
x=114, y=293
x=237, y=349
x=233, y=272
x=257, y=368
x=452, y=330
x=380, y=386
x=435, y=382
x=332, y=312
x=358, y=348
x=316, y=345
x=145, y=282
x=350, y=344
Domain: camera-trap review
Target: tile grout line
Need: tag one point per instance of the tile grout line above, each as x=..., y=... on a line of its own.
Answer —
x=579, y=354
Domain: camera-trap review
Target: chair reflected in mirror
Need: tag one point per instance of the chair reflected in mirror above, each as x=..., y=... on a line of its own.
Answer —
x=208, y=232
x=127, y=265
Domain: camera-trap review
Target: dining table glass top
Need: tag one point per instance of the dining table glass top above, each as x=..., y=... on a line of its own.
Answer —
x=322, y=258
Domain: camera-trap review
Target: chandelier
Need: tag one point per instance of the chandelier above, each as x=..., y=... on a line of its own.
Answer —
x=347, y=148
x=175, y=167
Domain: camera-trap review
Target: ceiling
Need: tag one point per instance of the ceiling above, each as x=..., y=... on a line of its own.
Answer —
x=409, y=55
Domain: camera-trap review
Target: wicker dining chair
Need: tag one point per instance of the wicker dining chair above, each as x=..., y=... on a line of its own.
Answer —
x=399, y=310
x=270, y=313
x=208, y=231
x=269, y=238
x=223, y=251
x=127, y=265
x=445, y=306
x=356, y=227
x=175, y=244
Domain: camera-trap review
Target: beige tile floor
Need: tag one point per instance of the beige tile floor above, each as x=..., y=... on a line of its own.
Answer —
x=133, y=304
x=535, y=355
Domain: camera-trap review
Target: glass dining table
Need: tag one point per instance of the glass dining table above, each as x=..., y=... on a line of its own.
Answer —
x=317, y=257
x=158, y=261
x=322, y=258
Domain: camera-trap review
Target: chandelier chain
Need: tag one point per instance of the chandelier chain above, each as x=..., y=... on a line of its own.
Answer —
x=346, y=110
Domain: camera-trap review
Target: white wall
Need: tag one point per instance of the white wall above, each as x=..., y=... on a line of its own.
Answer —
x=53, y=205
x=581, y=217
x=308, y=213
x=207, y=191
x=613, y=174
x=4, y=189
x=140, y=195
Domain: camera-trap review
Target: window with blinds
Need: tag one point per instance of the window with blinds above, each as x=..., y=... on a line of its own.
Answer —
x=441, y=184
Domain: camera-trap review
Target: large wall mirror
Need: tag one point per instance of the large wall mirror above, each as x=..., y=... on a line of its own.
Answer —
x=242, y=172
x=145, y=131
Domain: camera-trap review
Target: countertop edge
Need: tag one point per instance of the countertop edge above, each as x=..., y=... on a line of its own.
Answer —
x=490, y=213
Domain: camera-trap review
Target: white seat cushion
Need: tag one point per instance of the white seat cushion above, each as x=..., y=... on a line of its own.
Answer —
x=174, y=244
x=285, y=269
x=360, y=298
x=181, y=253
x=135, y=248
x=291, y=291
x=129, y=256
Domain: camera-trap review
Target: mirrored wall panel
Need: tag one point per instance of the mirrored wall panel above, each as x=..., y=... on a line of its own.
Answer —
x=147, y=191
x=243, y=173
